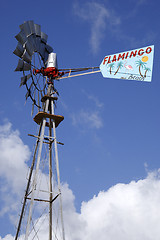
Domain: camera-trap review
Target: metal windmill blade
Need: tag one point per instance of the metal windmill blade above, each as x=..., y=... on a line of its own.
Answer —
x=29, y=47
x=26, y=57
x=38, y=36
x=49, y=49
x=42, y=50
x=44, y=37
x=32, y=40
x=19, y=50
x=28, y=27
x=22, y=66
x=21, y=37
x=37, y=30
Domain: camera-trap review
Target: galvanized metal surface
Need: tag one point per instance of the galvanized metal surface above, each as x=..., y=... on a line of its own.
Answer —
x=57, y=169
x=19, y=50
x=36, y=172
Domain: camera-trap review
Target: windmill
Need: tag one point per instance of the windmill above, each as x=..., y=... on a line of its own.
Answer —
x=38, y=64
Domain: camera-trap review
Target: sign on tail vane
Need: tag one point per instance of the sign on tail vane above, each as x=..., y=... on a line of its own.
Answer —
x=131, y=65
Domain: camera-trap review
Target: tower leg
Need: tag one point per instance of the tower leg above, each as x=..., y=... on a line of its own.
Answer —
x=36, y=172
x=28, y=186
x=50, y=179
x=57, y=169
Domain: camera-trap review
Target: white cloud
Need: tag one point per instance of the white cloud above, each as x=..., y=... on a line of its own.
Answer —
x=125, y=211
x=94, y=99
x=91, y=118
x=87, y=118
x=100, y=19
x=105, y=21
x=13, y=154
x=13, y=169
x=7, y=237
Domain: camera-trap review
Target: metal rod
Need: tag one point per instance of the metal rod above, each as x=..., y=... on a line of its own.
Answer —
x=45, y=191
x=28, y=185
x=77, y=75
x=50, y=176
x=36, y=172
x=55, y=197
x=45, y=137
x=39, y=200
x=57, y=168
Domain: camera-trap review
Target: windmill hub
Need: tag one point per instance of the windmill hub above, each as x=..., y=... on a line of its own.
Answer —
x=50, y=72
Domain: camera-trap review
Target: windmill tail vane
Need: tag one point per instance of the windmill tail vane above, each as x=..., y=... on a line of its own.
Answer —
x=135, y=64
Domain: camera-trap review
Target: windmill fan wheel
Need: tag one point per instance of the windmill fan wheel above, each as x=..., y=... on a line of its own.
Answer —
x=33, y=51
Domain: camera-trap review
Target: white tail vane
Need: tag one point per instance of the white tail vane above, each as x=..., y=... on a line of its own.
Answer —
x=131, y=65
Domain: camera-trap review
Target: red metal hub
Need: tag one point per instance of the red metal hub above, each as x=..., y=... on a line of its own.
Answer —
x=50, y=72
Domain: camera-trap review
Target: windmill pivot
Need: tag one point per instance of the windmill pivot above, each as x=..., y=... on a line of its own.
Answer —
x=50, y=72
x=45, y=97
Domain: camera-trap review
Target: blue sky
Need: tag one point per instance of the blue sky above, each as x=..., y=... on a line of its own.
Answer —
x=111, y=131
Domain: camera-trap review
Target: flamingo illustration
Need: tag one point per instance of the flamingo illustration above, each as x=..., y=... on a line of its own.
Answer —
x=128, y=67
